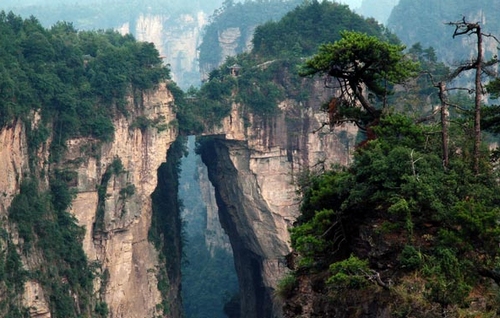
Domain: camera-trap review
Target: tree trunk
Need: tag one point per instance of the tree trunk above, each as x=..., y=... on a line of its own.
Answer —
x=358, y=92
x=479, y=97
x=444, y=123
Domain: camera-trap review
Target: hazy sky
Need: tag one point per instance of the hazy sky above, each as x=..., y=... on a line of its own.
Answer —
x=352, y=3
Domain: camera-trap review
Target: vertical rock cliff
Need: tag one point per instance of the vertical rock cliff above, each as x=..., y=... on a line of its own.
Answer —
x=113, y=185
x=13, y=162
x=117, y=223
x=253, y=167
x=177, y=38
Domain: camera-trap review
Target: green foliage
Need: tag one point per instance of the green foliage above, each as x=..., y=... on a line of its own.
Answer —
x=310, y=240
x=44, y=225
x=493, y=88
x=491, y=118
x=410, y=258
x=446, y=278
x=286, y=286
x=362, y=60
x=399, y=130
x=323, y=191
x=301, y=30
x=258, y=91
x=141, y=122
x=348, y=274
x=127, y=191
x=76, y=80
x=442, y=223
x=268, y=74
x=12, y=277
x=204, y=108
x=101, y=309
x=185, y=112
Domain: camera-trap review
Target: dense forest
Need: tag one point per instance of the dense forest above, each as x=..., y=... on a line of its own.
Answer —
x=77, y=82
x=411, y=227
x=68, y=76
x=269, y=73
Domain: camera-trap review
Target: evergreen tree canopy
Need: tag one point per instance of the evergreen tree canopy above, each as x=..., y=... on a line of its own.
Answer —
x=357, y=61
x=76, y=80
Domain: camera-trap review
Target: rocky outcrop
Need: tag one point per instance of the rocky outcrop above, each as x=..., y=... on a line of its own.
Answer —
x=229, y=42
x=254, y=170
x=112, y=205
x=177, y=38
x=117, y=228
x=253, y=164
x=13, y=162
x=34, y=299
x=14, y=166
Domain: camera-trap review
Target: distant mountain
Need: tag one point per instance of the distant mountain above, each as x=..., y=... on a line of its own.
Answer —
x=174, y=26
x=377, y=9
x=93, y=14
x=425, y=22
x=231, y=29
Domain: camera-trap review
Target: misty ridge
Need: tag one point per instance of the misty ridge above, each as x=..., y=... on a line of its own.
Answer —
x=173, y=4
x=92, y=14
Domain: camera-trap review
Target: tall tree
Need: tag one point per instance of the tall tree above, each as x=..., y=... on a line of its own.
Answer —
x=464, y=27
x=357, y=62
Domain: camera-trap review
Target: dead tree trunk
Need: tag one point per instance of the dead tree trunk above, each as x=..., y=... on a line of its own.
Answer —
x=444, y=123
x=466, y=28
x=479, y=97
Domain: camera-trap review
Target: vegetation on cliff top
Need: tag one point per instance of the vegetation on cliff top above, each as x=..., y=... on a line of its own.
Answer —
x=431, y=233
x=77, y=82
x=244, y=16
x=412, y=226
x=262, y=78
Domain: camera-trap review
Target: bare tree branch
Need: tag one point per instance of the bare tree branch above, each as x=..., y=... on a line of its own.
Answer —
x=467, y=28
x=464, y=27
x=489, y=35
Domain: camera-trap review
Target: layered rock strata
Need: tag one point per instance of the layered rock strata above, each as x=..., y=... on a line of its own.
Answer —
x=120, y=243
x=117, y=223
x=176, y=38
x=254, y=168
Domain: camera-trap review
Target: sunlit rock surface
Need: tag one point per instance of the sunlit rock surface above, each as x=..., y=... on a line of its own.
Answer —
x=121, y=246
x=254, y=168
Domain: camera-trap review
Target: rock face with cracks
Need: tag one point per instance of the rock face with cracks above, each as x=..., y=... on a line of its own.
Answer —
x=120, y=243
x=254, y=169
x=116, y=225
x=253, y=164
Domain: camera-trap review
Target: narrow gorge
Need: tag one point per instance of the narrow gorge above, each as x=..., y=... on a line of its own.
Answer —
x=120, y=180
x=119, y=194
x=269, y=159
